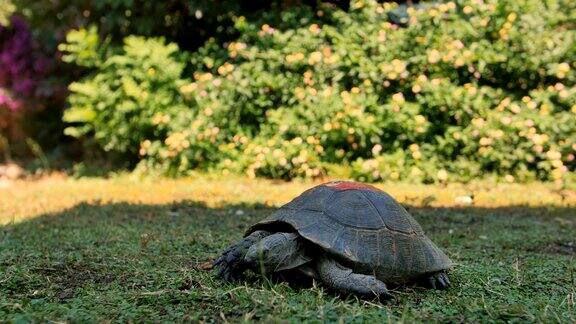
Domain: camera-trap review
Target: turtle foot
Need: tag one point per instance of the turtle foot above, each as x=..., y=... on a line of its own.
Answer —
x=438, y=280
x=230, y=265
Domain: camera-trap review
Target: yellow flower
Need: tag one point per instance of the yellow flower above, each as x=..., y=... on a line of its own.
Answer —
x=503, y=33
x=420, y=119
x=485, y=141
x=300, y=93
x=189, y=88
x=478, y=122
x=553, y=155
x=382, y=35
x=314, y=58
x=398, y=65
x=459, y=62
x=557, y=163
x=333, y=59
x=506, y=120
x=157, y=119
x=204, y=76
x=434, y=56
x=442, y=175
x=146, y=144
x=225, y=68
x=314, y=29
x=398, y=98
x=414, y=147
x=467, y=10
x=562, y=70
x=297, y=141
x=415, y=172
x=291, y=58
x=327, y=92
x=509, y=178
x=498, y=133
x=557, y=173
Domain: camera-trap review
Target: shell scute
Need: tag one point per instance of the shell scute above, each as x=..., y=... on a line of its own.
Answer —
x=351, y=208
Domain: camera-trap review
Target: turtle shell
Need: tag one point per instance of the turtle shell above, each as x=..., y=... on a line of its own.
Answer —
x=363, y=227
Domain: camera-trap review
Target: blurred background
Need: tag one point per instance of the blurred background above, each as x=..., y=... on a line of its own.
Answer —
x=421, y=92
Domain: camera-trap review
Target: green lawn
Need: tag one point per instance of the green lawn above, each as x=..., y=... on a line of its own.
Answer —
x=123, y=249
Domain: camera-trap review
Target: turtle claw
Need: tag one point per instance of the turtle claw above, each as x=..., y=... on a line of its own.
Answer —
x=385, y=296
x=438, y=280
x=230, y=265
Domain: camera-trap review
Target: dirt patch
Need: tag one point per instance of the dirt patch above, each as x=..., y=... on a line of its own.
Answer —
x=557, y=248
x=566, y=248
x=70, y=276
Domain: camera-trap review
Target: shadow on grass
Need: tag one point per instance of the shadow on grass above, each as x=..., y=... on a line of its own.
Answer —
x=126, y=261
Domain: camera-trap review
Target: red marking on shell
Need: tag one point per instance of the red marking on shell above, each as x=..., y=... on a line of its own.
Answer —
x=348, y=185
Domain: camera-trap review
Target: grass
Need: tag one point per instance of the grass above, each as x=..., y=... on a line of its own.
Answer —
x=127, y=249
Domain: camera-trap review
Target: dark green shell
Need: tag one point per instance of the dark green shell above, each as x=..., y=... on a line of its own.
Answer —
x=363, y=227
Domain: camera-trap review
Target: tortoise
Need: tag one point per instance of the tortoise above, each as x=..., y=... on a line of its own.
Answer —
x=352, y=237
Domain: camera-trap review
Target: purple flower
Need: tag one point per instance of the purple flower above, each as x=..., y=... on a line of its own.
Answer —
x=22, y=66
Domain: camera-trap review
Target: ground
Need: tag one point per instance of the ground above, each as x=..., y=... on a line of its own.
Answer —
x=132, y=249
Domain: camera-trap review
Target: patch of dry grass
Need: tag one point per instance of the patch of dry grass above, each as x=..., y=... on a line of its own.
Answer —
x=26, y=199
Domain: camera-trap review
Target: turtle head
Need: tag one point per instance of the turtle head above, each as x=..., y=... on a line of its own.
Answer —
x=276, y=252
x=265, y=251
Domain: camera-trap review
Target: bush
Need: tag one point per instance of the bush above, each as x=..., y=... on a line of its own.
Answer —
x=467, y=88
x=132, y=95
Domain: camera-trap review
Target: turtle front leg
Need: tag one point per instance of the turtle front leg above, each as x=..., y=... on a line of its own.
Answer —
x=230, y=265
x=342, y=279
x=437, y=280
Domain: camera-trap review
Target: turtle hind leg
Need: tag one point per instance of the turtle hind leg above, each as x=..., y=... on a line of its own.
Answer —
x=344, y=280
x=436, y=280
x=230, y=265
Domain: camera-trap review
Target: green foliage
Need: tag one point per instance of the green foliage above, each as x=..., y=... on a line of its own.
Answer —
x=116, y=105
x=465, y=89
x=83, y=48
